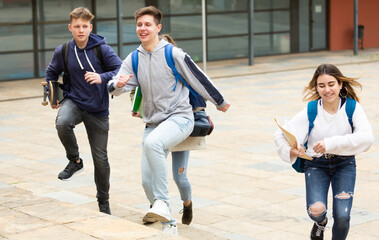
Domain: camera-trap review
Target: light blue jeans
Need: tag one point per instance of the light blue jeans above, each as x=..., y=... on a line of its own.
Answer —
x=155, y=147
x=179, y=173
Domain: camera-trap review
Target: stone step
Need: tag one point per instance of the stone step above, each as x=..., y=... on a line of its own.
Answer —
x=27, y=216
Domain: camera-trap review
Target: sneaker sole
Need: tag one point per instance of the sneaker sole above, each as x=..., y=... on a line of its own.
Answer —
x=68, y=179
x=157, y=217
x=147, y=219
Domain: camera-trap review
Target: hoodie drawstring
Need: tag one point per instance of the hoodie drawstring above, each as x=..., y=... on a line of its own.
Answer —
x=80, y=63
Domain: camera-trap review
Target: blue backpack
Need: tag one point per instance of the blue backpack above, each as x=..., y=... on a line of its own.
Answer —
x=196, y=100
x=298, y=165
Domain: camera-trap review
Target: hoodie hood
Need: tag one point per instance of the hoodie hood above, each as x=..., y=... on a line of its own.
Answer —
x=162, y=43
x=94, y=40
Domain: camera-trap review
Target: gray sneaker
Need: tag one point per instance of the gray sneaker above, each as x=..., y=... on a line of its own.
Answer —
x=71, y=169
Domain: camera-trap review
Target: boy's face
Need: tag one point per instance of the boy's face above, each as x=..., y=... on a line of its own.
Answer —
x=147, y=30
x=80, y=29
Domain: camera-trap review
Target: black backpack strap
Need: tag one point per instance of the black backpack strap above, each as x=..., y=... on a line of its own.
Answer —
x=99, y=55
x=66, y=75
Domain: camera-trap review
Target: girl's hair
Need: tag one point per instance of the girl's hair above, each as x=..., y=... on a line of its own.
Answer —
x=150, y=10
x=168, y=38
x=348, y=84
x=81, y=12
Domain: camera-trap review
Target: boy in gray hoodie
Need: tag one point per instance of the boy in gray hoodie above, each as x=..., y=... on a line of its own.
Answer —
x=167, y=113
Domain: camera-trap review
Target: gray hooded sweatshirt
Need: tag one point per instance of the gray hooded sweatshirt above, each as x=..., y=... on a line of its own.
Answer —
x=157, y=83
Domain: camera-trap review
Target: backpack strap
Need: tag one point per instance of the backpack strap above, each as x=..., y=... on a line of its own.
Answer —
x=99, y=55
x=171, y=63
x=135, y=62
x=66, y=75
x=312, y=113
x=350, y=108
x=64, y=55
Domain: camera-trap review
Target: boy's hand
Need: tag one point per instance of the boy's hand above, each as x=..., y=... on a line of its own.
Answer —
x=123, y=80
x=56, y=106
x=92, y=78
x=225, y=108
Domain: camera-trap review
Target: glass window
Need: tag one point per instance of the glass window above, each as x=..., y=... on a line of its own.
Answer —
x=226, y=5
x=107, y=9
x=268, y=44
x=15, y=11
x=232, y=47
x=52, y=35
x=274, y=21
x=281, y=21
x=179, y=6
x=108, y=29
x=194, y=48
x=262, y=22
x=183, y=27
x=227, y=24
x=16, y=37
x=16, y=66
x=303, y=26
x=52, y=10
x=271, y=4
x=130, y=6
x=129, y=31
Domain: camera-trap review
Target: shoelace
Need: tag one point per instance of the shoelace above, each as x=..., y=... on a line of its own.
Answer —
x=320, y=229
x=71, y=166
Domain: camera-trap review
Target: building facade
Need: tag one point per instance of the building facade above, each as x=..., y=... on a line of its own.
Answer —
x=31, y=29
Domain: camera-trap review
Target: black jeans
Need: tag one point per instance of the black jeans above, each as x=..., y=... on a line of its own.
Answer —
x=69, y=115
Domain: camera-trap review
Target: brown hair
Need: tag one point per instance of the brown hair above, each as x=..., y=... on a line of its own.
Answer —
x=348, y=84
x=81, y=12
x=150, y=10
x=168, y=38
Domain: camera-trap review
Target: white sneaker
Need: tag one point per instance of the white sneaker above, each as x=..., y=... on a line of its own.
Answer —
x=170, y=229
x=160, y=211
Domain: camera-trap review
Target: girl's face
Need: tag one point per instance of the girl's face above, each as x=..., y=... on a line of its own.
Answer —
x=328, y=88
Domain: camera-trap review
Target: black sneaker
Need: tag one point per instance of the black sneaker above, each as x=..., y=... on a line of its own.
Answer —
x=71, y=169
x=187, y=214
x=317, y=232
x=104, y=207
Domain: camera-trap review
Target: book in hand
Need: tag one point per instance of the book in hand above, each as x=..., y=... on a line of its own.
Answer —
x=291, y=139
x=137, y=102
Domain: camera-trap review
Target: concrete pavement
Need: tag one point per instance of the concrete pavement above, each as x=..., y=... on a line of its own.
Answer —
x=241, y=189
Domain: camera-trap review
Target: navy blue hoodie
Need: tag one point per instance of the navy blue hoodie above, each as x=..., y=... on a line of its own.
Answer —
x=91, y=98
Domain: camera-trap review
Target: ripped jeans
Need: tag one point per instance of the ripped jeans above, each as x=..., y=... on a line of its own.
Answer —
x=340, y=173
x=156, y=144
x=179, y=173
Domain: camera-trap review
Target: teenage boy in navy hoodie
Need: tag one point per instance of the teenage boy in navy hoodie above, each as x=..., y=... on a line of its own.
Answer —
x=86, y=99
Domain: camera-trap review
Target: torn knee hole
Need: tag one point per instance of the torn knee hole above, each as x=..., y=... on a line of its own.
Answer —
x=344, y=195
x=181, y=170
x=317, y=209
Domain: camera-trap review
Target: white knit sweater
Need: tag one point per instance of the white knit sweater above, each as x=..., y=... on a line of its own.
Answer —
x=334, y=129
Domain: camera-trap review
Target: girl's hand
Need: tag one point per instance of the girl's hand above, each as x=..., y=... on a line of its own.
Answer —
x=319, y=147
x=297, y=152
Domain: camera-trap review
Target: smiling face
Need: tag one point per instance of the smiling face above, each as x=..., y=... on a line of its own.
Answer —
x=147, y=30
x=328, y=88
x=80, y=29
